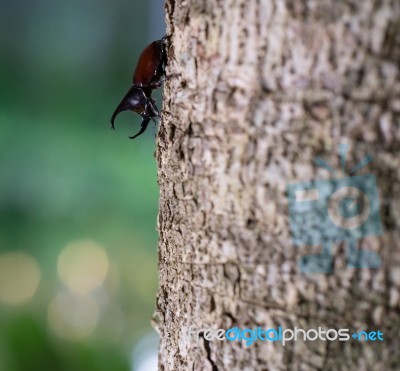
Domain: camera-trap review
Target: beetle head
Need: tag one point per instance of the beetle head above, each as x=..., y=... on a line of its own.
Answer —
x=135, y=100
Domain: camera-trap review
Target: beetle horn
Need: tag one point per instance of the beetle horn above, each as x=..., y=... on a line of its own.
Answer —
x=143, y=127
x=126, y=104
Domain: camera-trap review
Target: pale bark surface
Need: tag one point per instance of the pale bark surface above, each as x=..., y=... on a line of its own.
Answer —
x=265, y=86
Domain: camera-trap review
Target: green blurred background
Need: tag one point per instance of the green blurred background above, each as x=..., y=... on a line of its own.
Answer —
x=78, y=202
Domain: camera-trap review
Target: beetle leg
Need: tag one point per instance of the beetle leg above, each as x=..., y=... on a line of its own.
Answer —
x=144, y=124
x=171, y=76
x=157, y=84
x=154, y=110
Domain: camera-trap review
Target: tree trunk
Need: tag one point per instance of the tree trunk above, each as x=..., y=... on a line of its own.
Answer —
x=264, y=87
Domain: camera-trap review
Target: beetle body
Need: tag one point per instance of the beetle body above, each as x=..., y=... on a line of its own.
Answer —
x=150, y=67
x=148, y=75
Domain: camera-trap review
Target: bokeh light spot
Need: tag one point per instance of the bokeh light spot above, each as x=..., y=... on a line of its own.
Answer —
x=73, y=317
x=83, y=266
x=19, y=277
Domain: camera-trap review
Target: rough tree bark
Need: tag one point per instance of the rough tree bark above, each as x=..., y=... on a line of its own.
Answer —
x=264, y=87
